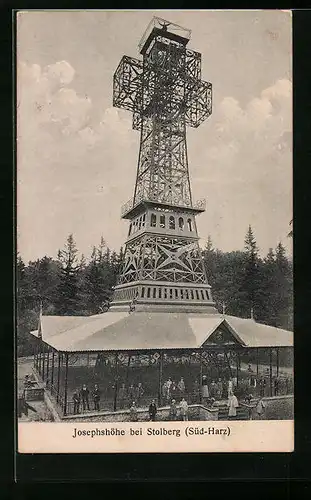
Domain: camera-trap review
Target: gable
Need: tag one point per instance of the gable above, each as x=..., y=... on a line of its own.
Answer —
x=222, y=335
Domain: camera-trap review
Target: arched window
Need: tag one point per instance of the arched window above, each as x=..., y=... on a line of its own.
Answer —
x=148, y=293
x=172, y=222
x=153, y=221
x=139, y=223
x=197, y=294
x=143, y=221
x=130, y=229
x=189, y=221
x=202, y=295
x=143, y=292
x=162, y=221
x=181, y=223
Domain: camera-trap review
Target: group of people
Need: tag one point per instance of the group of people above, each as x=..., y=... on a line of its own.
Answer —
x=220, y=390
x=171, y=389
x=152, y=410
x=217, y=390
x=83, y=396
x=183, y=407
x=207, y=391
x=130, y=393
x=261, y=385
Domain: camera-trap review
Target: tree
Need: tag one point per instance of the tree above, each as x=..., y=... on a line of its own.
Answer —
x=43, y=281
x=284, y=287
x=68, y=296
x=251, y=281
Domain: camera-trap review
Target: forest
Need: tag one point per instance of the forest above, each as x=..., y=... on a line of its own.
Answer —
x=243, y=284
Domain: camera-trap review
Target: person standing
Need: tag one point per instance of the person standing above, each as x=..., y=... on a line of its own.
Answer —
x=133, y=412
x=262, y=385
x=96, y=397
x=181, y=387
x=173, y=410
x=174, y=389
x=232, y=405
x=76, y=402
x=196, y=391
x=164, y=390
x=205, y=393
x=131, y=392
x=85, y=397
x=168, y=388
x=213, y=389
x=122, y=395
x=253, y=383
x=139, y=392
x=260, y=409
x=152, y=410
x=184, y=409
x=220, y=389
x=230, y=387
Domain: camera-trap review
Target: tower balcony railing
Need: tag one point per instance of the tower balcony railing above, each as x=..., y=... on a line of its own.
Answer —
x=199, y=204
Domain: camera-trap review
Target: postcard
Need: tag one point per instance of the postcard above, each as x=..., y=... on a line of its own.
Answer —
x=154, y=231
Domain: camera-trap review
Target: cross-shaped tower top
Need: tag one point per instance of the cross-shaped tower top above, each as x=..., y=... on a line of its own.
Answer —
x=165, y=93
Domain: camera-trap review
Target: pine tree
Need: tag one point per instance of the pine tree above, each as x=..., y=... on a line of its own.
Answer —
x=251, y=282
x=101, y=250
x=26, y=314
x=284, y=291
x=21, y=283
x=209, y=259
x=209, y=244
x=68, y=299
x=268, y=307
x=99, y=278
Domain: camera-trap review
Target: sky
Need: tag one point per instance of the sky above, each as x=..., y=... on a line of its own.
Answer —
x=77, y=154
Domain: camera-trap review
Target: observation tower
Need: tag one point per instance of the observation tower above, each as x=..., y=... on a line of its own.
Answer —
x=163, y=268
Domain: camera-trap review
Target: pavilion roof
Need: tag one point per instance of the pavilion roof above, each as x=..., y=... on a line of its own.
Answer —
x=113, y=331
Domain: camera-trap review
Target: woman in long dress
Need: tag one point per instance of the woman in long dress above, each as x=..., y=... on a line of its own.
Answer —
x=232, y=405
x=184, y=409
x=230, y=387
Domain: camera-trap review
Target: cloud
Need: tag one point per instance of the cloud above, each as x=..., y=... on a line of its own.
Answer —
x=251, y=133
x=73, y=158
x=44, y=98
x=247, y=166
x=61, y=71
x=47, y=105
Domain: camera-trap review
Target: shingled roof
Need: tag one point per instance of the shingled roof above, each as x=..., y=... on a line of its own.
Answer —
x=113, y=331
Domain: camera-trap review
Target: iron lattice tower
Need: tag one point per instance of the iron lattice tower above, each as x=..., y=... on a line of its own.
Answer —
x=163, y=267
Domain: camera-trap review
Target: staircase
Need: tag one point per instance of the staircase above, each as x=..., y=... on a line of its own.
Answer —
x=242, y=413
